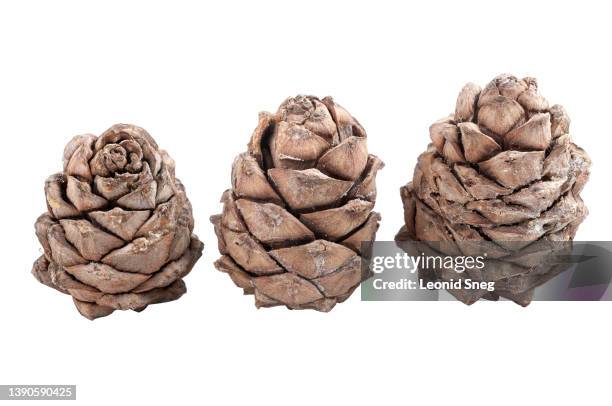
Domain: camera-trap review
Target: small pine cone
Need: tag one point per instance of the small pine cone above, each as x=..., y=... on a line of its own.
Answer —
x=118, y=231
x=298, y=218
x=501, y=173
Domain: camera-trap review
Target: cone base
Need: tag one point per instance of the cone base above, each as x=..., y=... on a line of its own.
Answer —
x=92, y=303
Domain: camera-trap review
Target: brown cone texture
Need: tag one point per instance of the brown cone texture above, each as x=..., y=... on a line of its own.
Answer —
x=118, y=231
x=502, y=169
x=292, y=225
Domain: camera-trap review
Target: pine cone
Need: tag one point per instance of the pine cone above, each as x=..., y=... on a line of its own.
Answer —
x=300, y=206
x=502, y=169
x=118, y=231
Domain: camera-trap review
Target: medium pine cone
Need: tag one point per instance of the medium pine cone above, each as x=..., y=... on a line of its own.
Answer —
x=118, y=231
x=502, y=168
x=300, y=206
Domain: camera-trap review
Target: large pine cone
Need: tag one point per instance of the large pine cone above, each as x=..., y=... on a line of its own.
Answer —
x=501, y=177
x=118, y=231
x=300, y=206
x=502, y=172
x=502, y=168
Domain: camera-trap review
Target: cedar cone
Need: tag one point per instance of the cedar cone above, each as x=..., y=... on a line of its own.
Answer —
x=117, y=234
x=292, y=225
x=499, y=175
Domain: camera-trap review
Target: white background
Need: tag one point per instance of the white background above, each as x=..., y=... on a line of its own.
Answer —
x=195, y=76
